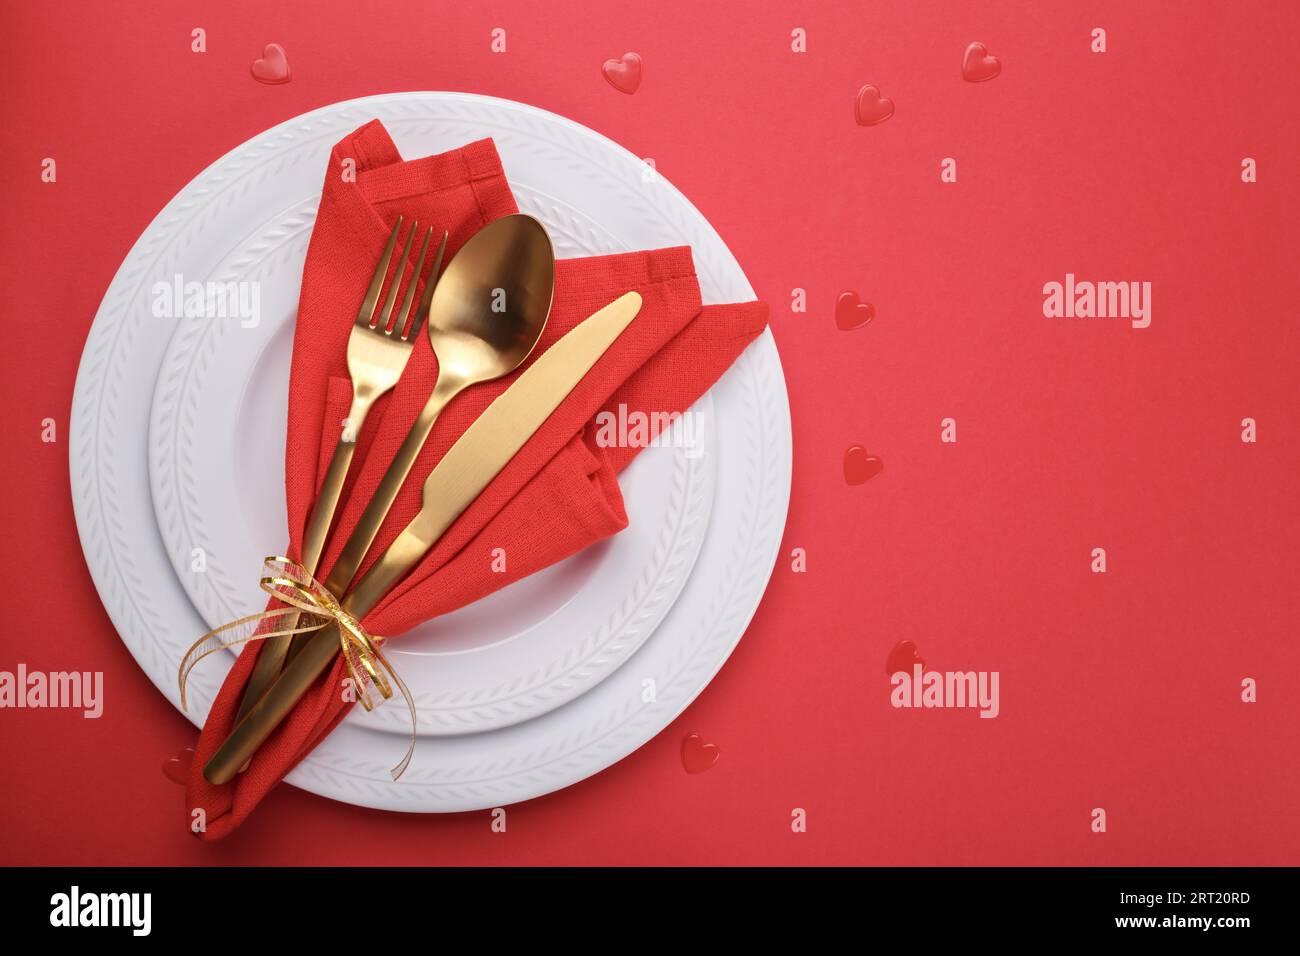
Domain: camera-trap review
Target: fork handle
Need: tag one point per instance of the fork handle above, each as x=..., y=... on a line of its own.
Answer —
x=372, y=519
x=271, y=658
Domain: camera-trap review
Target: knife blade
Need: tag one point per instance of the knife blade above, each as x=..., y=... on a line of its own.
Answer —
x=477, y=457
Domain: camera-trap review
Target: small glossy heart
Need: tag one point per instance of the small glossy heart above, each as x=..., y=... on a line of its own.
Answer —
x=902, y=658
x=624, y=74
x=851, y=312
x=273, y=67
x=871, y=108
x=176, y=768
x=860, y=467
x=697, y=756
x=977, y=65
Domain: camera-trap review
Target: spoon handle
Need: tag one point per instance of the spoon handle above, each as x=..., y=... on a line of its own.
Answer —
x=372, y=519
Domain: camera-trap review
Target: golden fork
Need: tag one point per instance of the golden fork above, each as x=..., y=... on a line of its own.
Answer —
x=377, y=353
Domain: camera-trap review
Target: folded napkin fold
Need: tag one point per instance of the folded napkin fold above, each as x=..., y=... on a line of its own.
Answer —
x=558, y=495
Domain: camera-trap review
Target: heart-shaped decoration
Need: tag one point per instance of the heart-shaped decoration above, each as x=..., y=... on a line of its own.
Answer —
x=273, y=67
x=624, y=74
x=977, y=65
x=871, y=108
x=697, y=756
x=902, y=658
x=176, y=768
x=859, y=467
x=851, y=312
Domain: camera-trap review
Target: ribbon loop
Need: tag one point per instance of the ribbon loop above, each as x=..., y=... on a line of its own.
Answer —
x=290, y=583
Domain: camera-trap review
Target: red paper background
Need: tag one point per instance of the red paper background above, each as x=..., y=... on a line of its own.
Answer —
x=1118, y=690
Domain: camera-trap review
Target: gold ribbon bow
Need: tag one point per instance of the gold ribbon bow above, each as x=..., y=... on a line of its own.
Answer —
x=291, y=583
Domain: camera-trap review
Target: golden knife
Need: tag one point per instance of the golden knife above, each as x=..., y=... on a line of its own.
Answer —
x=465, y=470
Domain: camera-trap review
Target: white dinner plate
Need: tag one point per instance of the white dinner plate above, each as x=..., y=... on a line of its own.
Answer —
x=594, y=197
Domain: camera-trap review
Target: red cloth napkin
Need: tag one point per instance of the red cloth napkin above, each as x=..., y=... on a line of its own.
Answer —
x=558, y=495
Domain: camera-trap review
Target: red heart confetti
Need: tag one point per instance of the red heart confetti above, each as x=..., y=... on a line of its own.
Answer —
x=871, y=108
x=273, y=67
x=176, y=768
x=697, y=756
x=902, y=658
x=851, y=312
x=977, y=65
x=860, y=467
x=624, y=74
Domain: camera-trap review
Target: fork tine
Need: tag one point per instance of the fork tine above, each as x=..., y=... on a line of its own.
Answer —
x=387, y=313
x=367, y=310
x=422, y=312
x=404, y=313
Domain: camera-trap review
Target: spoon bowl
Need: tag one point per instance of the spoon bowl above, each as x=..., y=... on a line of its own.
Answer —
x=490, y=306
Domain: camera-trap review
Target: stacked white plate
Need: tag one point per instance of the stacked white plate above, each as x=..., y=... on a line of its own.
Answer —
x=177, y=475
